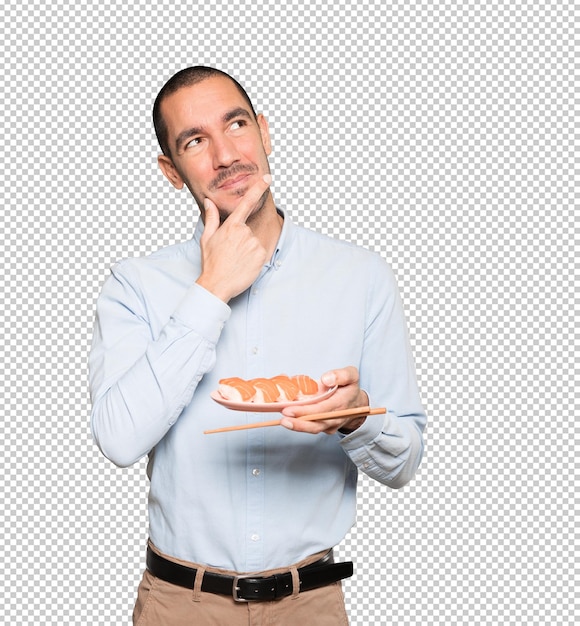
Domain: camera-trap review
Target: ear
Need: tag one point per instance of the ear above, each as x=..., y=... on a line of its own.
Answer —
x=265, y=132
x=169, y=171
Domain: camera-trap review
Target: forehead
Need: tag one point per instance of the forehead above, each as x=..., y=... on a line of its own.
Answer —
x=201, y=105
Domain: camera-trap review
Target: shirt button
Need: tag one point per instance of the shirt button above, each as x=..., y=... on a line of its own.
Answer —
x=255, y=350
x=256, y=471
x=255, y=537
x=255, y=291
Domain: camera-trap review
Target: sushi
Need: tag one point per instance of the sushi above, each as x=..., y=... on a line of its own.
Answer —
x=306, y=386
x=281, y=388
x=236, y=389
x=266, y=390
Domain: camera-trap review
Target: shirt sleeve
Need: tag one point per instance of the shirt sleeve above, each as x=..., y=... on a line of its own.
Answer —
x=389, y=447
x=140, y=383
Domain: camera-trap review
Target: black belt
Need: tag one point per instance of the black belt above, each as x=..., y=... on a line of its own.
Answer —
x=245, y=588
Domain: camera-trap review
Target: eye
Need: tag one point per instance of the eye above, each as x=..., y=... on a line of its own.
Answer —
x=192, y=143
x=238, y=124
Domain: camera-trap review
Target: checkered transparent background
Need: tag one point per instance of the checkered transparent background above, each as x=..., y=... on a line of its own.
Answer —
x=438, y=133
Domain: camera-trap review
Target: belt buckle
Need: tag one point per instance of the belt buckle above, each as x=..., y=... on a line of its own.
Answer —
x=236, y=588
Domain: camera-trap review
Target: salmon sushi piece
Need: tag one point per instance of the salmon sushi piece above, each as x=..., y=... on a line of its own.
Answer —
x=236, y=389
x=266, y=390
x=306, y=386
x=288, y=389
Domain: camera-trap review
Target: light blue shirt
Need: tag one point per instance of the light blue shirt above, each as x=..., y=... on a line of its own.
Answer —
x=264, y=498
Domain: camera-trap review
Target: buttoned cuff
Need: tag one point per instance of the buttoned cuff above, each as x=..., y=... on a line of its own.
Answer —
x=364, y=435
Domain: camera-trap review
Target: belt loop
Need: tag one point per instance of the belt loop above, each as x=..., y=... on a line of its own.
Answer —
x=295, y=582
x=197, y=583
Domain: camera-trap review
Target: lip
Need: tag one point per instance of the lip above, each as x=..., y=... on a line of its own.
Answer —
x=234, y=181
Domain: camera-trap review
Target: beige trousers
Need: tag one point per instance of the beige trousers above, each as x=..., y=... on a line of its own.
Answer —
x=162, y=604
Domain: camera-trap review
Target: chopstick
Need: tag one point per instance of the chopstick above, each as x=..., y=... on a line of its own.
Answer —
x=359, y=411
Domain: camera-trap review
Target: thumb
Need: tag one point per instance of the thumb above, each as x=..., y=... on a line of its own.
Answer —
x=211, y=218
x=343, y=376
x=328, y=379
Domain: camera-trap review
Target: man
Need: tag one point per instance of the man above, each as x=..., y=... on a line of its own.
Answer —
x=242, y=524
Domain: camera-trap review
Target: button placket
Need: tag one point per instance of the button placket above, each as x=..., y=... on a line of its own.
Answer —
x=255, y=439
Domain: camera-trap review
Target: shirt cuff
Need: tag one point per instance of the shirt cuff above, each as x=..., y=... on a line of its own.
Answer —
x=203, y=312
x=365, y=434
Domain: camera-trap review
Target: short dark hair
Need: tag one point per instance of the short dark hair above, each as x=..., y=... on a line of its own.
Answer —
x=186, y=78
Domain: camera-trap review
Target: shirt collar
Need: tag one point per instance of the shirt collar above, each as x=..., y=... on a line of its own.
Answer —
x=284, y=241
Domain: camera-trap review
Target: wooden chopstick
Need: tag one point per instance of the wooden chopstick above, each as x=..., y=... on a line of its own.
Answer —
x=359, y=411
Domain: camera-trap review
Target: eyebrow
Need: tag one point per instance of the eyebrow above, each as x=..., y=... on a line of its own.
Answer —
x=184, y=135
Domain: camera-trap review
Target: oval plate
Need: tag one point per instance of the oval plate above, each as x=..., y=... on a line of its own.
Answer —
x=270, y=407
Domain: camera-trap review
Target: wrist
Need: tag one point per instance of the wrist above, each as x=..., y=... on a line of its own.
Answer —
x=214, y=288
x=363, y=398
x=352, y=426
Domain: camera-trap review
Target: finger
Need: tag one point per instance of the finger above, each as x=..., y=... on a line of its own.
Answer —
x=303, y=426
x=251, y=198
x=310, y=409
x=211, y=220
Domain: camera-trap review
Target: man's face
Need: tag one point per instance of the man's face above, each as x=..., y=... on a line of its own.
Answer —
x=218, y=148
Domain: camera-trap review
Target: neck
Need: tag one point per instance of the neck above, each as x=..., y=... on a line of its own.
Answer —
x=266, y=225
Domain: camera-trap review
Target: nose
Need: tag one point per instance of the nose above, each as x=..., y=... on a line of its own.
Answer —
x=225, y=152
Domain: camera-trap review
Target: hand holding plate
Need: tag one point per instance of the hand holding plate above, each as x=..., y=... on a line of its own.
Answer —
x=348, y=395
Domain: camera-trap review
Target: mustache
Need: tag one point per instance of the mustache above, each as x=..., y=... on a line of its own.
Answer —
x=231, y=171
